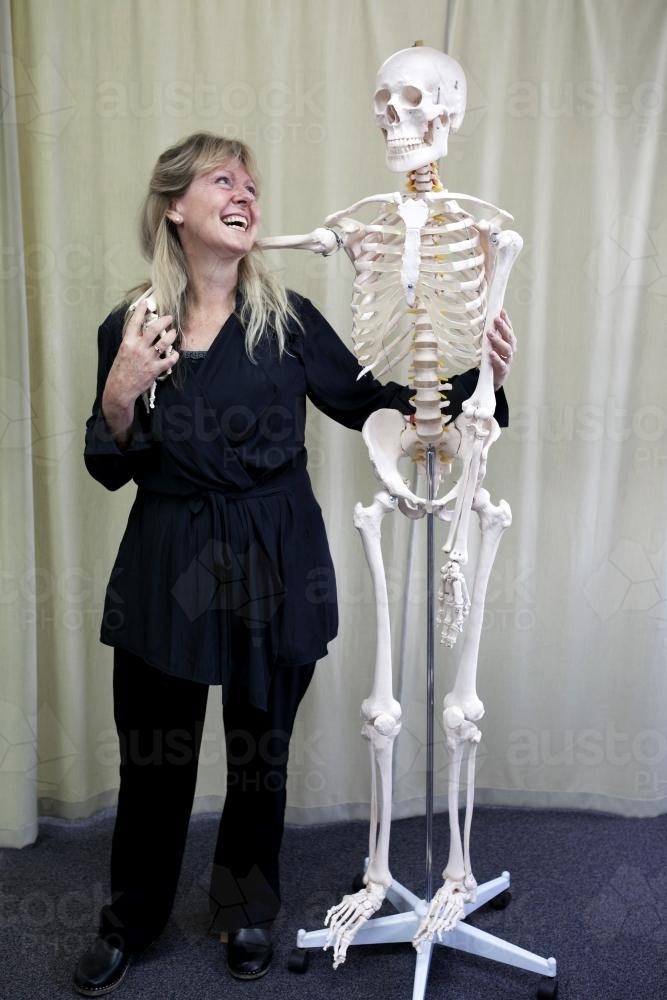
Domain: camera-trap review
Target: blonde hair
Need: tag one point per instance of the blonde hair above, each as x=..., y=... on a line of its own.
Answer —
x=266, y=308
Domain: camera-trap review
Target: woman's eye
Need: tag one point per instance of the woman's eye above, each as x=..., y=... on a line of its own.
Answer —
x=224, y=178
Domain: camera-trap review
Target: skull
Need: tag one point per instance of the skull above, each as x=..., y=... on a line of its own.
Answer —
x=420, y=94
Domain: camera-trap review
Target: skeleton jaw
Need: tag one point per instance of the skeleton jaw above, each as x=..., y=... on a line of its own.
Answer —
x=408, y=148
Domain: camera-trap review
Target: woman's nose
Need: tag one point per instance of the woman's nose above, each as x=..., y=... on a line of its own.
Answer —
x=243, y=195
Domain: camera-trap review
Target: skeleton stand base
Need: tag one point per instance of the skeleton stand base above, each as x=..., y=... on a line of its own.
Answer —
x=402, y=926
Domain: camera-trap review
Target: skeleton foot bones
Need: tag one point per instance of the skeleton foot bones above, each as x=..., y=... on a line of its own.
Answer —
x=445, y=910
x=345, y=919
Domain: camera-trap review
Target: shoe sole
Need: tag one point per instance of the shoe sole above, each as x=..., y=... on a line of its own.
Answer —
x=101, y=990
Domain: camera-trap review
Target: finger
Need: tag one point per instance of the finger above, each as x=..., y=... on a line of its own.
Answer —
x=156, y=326
x=167, y=362
x=502, y=326
x=136, y=322
x=167, y=337
x=510, y=335
x=163, y=348
x=498, y=342
x=498, y=363
x=505, y=335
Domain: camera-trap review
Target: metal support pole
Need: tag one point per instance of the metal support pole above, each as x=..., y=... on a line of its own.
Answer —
x=430, y=668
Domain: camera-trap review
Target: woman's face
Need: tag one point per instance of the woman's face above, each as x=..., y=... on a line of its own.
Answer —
x=219, y=211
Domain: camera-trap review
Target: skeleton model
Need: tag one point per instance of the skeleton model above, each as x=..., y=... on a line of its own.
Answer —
x=431, y=273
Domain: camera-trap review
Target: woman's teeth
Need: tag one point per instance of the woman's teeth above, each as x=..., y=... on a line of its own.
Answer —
x=236, y=221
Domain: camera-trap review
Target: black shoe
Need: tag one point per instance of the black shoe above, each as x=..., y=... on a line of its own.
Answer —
x=249, y=952
x=101, y=969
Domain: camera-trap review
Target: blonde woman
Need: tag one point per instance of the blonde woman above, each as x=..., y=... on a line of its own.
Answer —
x=224, y=575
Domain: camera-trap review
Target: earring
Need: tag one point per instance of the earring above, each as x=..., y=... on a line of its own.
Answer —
x=178, y=219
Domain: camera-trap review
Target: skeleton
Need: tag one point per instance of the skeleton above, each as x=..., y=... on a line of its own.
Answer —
x=442, y=261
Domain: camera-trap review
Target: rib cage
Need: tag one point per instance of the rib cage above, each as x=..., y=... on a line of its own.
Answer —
x=451, y=290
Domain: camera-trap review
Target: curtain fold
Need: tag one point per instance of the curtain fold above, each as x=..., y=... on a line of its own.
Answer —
x=20, y=746
x=565, y=128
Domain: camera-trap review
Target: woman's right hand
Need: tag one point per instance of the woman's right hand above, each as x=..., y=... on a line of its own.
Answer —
x=139, y=361
x=142, y=357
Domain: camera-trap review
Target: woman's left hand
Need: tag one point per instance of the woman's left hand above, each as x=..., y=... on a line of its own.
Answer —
x=503, y=348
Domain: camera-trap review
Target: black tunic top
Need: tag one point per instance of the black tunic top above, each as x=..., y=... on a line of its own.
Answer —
x=224, y=569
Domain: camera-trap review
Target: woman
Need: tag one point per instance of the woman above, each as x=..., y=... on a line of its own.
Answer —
x=223, y=575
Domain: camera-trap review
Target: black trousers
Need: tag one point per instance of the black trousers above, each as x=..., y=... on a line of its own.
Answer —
x=160, y=720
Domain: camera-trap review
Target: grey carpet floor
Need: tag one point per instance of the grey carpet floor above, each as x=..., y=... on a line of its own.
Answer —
x=589, y=889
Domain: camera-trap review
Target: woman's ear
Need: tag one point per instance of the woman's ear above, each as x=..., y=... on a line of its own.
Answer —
x=174, y=215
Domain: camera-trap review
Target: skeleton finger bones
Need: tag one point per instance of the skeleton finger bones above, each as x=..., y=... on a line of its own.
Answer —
x=454, y=603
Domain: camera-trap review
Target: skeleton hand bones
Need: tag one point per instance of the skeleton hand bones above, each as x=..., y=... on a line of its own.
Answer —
x=456, y=600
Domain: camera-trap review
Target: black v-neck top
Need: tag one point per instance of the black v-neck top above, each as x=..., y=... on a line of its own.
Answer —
x=224, y=570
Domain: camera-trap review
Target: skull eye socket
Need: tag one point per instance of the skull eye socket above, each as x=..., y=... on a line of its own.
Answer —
x=381, y=100
x=411, y=96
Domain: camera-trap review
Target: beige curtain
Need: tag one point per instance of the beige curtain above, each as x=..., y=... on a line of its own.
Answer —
x=567, y=129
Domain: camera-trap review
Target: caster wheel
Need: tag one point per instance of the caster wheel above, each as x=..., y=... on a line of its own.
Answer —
x=358, y=883
x=501, y=901
x=547, y=990
x=299, y=960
